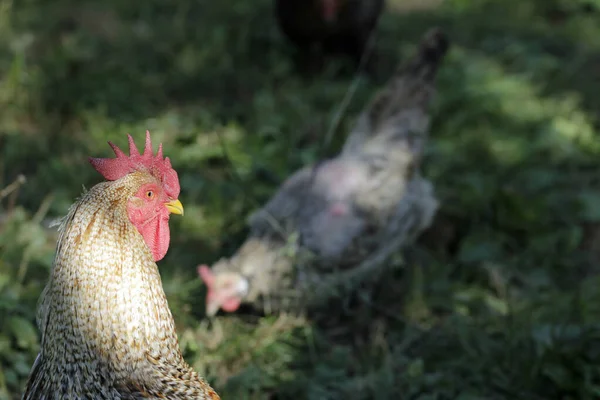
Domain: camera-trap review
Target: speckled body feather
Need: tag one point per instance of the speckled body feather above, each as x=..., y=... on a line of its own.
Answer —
x=332, y=226
x=107, y=331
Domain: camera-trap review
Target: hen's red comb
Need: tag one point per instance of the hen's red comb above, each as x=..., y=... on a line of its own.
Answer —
x=116, y=168
x=206, y=274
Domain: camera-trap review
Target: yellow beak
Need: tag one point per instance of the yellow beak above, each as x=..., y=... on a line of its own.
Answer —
x=174, y=207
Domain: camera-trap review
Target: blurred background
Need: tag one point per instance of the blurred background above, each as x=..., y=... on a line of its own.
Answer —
x=504, y=302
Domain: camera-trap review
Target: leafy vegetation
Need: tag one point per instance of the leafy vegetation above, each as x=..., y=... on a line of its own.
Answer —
x=500, y=298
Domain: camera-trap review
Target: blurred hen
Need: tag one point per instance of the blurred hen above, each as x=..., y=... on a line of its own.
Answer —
x=332, y=225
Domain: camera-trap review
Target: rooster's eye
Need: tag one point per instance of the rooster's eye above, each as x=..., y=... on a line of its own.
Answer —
x=150, y=194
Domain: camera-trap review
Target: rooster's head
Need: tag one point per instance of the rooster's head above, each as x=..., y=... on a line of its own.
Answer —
x=155, y=195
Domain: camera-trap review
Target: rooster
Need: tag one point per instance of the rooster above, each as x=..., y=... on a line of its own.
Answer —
x=107, y=331
x=333, y=225
x=340, y=26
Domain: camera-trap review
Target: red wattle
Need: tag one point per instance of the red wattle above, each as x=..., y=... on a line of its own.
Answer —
x=231, y=304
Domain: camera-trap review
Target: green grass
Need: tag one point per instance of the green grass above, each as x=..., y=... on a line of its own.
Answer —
x=501, y=300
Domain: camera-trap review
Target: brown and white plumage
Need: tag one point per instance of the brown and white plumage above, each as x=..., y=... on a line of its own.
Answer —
x=107, y=331
x=332, y=225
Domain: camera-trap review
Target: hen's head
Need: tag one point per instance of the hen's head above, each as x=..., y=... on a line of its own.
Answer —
x=330, y=9
x=155, y=193
x=226, y=290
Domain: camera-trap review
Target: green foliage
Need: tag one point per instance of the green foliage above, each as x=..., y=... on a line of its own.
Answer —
x=499, y=299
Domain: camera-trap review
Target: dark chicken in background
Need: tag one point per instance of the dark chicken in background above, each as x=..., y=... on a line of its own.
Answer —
x=335, y=224
x=338, y=26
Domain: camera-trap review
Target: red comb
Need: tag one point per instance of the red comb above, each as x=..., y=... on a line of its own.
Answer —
x=116, y=168
x=206, y=274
